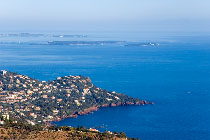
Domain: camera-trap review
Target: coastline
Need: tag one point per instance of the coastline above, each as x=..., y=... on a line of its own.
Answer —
x=76, y=94
x=96, y=108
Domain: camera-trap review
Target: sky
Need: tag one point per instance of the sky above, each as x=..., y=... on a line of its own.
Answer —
x=101, y=15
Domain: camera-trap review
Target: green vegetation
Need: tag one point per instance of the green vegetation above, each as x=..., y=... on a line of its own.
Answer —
x=12, y=129
x=39, y=102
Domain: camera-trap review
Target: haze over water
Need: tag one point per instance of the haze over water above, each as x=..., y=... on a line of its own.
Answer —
x=175, y=75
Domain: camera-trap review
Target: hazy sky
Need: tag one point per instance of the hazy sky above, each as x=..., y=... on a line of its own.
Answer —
x=138, y=15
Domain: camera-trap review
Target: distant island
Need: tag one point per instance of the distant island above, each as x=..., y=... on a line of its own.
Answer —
x=56, y=39
x=42, y=35
x=83, y=42
x=40, y=102
x=142, y=44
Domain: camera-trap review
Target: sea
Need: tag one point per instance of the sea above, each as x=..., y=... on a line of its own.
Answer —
x=175, y=75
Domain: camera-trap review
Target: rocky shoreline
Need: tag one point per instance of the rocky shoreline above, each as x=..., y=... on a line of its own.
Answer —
x=96, y=108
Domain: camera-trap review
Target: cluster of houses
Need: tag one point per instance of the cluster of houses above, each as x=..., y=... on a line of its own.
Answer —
x=26, y=98
x=20, y=90
x=5, y=116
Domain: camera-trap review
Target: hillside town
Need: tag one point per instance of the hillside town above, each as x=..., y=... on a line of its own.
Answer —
x=40, y=102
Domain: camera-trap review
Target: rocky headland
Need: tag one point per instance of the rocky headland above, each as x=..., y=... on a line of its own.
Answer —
x=40, y=102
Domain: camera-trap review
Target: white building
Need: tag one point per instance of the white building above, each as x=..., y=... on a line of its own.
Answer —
x=1, y=122
x=5, y=116
x=3, y=72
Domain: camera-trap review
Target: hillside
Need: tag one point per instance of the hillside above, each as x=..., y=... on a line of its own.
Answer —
x=12, y=129
x=39, y=102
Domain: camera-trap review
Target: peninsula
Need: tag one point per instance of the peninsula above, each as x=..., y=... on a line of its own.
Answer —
x=40, y=102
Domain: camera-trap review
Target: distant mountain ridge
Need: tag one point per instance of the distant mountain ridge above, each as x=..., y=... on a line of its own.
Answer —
x=39, y=102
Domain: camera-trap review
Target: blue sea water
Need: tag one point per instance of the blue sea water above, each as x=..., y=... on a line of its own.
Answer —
x=175, y=75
